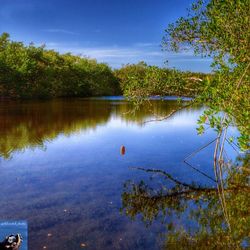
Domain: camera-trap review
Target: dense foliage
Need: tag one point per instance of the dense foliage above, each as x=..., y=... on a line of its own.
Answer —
x=31, y=72
x=220, y=29
x=35, y=72
x=140, y=80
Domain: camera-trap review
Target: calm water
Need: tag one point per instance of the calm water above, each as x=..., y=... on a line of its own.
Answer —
x=62, y=171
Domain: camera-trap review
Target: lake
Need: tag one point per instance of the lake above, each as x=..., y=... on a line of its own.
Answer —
x=62, y=171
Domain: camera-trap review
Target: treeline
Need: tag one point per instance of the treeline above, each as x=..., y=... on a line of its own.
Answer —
x=142, y=80
x=35, y=72
x=27, y=71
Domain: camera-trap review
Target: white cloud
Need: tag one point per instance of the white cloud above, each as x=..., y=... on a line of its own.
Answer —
x=147, y=44
x=103, y=53
x=68, y=32
x=115, y=55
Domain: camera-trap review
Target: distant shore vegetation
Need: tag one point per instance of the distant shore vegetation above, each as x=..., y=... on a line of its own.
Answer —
x=29, y=71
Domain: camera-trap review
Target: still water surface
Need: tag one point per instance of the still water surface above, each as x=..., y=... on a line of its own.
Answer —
x=62, y=171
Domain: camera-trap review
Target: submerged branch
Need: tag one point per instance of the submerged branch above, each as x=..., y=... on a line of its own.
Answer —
x=168, y=176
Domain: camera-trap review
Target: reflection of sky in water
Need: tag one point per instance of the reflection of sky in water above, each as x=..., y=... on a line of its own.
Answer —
x=72, y=187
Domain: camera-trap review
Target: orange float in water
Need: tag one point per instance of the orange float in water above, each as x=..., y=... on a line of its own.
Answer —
x=122, y=150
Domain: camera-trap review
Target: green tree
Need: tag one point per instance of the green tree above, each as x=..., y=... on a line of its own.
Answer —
x=219, y=29
x=35, y=72
x=141, y=80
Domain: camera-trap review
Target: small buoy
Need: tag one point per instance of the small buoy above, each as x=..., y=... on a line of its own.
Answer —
x=49, y=234
x=122, y=150
x=83, y=245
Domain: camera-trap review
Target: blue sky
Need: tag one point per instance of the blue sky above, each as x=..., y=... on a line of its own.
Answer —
x=112, y=31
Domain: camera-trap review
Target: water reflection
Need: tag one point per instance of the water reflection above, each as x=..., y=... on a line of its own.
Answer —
x=72, y=188
x=205, y=224
x=31, y=124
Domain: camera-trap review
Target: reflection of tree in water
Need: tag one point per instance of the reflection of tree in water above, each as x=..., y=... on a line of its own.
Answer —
x=208, y=227
x=147, y=110
x=30, y=124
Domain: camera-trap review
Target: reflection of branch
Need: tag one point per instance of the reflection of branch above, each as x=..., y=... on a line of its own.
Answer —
x=170, y=114
x=199, y=149
x=199, y=171
x=163, y=118
x=168, y=176
x=217, y=170
x=221, y=164
x=233, y=145
x=157, y=198
x=141, y=198
x=192, y=188
x=195, y=152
